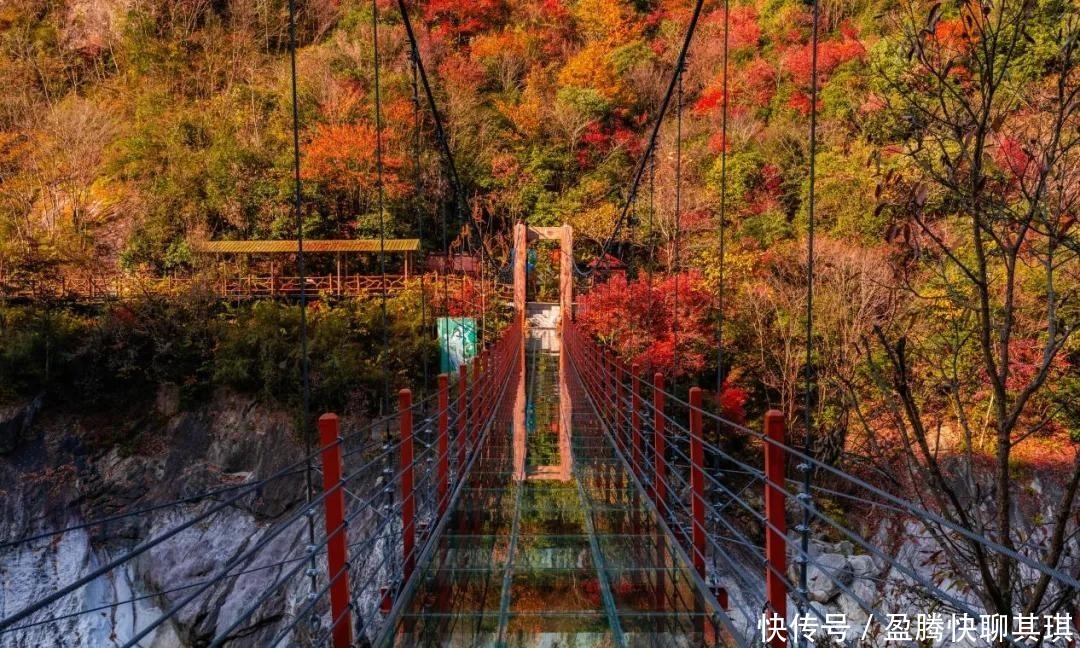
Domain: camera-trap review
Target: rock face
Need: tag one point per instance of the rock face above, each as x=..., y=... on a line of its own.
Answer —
x=16, y=422
x=826, y=573
x=54, y=479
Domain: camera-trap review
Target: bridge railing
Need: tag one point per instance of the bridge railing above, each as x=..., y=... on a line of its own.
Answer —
x=108, y=287
x=387, y=486
x=730, y=510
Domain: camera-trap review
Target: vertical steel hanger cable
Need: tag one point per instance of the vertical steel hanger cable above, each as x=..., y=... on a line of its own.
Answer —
x=804, y=496
x=388, y=470
x=652, y=214
x=381, y=206
x=305, y=373
x=723, y=206
x=418, y=201
x=678, y=224
x=650, y=147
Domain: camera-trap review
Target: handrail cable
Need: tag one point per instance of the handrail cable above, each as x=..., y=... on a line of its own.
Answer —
x=910, y=507
x=905, y=570
x=147, y=545
x=263, y=541
x=174, y=590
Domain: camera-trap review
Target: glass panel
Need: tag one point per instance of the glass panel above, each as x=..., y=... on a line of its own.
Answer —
x=471, y=552
x=447, y=630
x=535, y=524
x=655, y=590
x=464, y=591
x=667, y=631
x=555, y=590
x=550, y=630
x=628, y=551
x=554, y=552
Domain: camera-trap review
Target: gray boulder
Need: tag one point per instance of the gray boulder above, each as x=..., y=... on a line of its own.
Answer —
x=825, y=574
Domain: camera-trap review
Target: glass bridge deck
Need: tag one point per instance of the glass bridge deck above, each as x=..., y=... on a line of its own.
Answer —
x=555, y=548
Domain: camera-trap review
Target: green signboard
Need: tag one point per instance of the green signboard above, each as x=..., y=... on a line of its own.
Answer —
x=457, y=342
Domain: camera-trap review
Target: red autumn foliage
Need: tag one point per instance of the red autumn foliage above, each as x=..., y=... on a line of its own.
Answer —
x=743, y=29
x=750, y=88
x=801, y=103
x=460, y=19
x=797, y=60
x=463, y=72
x=636, y=318
x=732, y=402
x=600, y=137
x=765, y=195
x=1009, y=154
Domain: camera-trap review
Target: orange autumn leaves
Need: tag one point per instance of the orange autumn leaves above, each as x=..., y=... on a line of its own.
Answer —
x=342, y=157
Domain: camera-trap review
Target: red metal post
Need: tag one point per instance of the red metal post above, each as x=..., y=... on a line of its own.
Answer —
x=697, y=480
x=408, y=503
x=334, y=503
x=612, y=389
x=484, y=383
x=635, y=417
x=721, y=595
x=463, y=416
x=620, y=409
x=776, y=531
x=474, y=403
x=444, y=442
x=659, y=450
x=605, y=383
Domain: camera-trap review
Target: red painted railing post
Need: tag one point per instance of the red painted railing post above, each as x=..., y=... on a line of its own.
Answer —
x=408, y=503
x=462, y=417
x=659, y=451
x=697, y=480
x=484, y=365
x=474, y=403
x=604, y=383
x=620, y=409
x=635, y=418
x=611, y=386
x=444, y=442
x=334, y=503
x=776, y=531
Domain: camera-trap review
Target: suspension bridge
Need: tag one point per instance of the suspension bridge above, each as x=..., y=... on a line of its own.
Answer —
x=549, y=494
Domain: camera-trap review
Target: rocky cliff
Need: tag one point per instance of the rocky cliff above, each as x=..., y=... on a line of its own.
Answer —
x=57, y=471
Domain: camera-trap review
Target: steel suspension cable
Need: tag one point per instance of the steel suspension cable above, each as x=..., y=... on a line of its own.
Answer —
x=191, y=499
x=805, y=496
x=381, y=206
x=678, y=226
x=910, y=573
x=418, y=188
x=305, y=369
x=172, y=590
x=723, y=205
x=899, y=504
x=639, y=171
x=652, y=223
x=464, y=215
x=224, y=635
